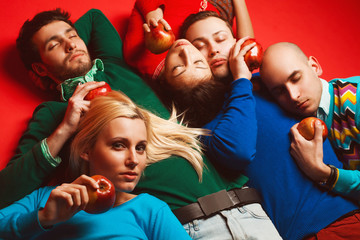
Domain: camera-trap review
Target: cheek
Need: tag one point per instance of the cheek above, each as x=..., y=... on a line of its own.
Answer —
x=283, y=101
x=52, y=58
x=204, y=52
x=82, y=45
x=226, y=46
x=142, y=162
x=106, y=160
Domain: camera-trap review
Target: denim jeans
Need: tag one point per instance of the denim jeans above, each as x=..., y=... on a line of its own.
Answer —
x=246, y=222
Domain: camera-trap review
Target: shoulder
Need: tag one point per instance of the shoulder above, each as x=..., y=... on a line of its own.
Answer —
x=344, y=81
x=51, y=109
x=149, y=200
x=50, y=106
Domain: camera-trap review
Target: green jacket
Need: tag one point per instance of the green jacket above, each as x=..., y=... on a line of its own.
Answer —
x=172, y=180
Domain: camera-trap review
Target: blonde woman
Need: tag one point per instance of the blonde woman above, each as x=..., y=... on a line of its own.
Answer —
x=115, y=139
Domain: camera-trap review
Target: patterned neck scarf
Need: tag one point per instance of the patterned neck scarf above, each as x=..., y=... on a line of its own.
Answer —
x=67, y=87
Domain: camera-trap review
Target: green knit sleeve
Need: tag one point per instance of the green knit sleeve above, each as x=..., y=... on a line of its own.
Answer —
x=29, y=169
x=100, y=36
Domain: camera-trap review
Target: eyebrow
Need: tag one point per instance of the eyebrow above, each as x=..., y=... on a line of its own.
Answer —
x=56, y=36
x=199, y=67
x=202, y=38
x=126, y=140
x=290, y=77
x=293, y=74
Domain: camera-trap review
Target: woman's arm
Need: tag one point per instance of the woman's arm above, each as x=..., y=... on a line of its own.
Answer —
x=19, y=220
x=135, y=52
x=243, y=22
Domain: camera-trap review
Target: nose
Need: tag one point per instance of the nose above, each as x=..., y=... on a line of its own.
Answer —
x=70, y=45
x=131, y=159
x=293, y=92
x=213, y=49
x=185, y=55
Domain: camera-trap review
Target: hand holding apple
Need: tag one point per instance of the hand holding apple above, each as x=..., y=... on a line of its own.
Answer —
x=158, y=40
x=306, y=128
x=100, y=91
x=103, y=198
x=253, y=58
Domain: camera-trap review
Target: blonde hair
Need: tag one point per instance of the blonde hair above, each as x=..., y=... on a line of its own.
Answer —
x=165, y=137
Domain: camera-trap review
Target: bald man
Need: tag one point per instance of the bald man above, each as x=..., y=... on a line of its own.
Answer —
x=294, y=81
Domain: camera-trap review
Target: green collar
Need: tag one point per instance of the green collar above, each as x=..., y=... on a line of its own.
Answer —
x=68, y=87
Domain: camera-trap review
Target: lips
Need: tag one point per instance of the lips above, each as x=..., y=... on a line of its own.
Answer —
x=130, y=176
x=302, y=105
x=217, y=62
x=181, y=43
x=75, y=55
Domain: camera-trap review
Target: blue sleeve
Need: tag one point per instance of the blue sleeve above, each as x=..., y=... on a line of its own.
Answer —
x=20, y=219
x=167, y=226
x=348, y=184
x=233, y=139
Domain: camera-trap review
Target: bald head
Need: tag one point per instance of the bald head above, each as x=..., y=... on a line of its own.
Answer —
x=292, y=78
x=281, y=52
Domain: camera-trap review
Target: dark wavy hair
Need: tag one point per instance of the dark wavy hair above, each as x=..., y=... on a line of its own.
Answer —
x=29, y=54
x=199, y=104
x=192, y=18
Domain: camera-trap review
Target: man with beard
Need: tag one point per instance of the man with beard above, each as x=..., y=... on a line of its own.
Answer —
x=57, y=54
x=295, y=204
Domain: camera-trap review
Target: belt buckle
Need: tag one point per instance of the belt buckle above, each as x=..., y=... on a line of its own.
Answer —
x=215, y=202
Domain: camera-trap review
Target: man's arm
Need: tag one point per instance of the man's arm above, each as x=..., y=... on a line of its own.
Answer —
x=29, y=168
x=348, y=184
x=100, y=36
x=309, y=156
x=37, y=155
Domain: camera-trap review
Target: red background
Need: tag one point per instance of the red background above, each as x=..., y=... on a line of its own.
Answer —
x=327, y=29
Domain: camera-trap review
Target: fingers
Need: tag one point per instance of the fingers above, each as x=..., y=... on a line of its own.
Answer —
x=87, y=181
x=237, y=64
x=237, y=46
x=294, y=131
x=318, y=131
x=82, y=90
x=166, y=24
x=153, y=22
x=146, y=27
x=75, y=195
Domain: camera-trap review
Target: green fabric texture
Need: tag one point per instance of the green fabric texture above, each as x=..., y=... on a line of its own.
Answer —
x=68, y=86
x=172, y=180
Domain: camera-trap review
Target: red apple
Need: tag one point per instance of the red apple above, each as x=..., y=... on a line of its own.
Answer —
x=307, y=128
x=100, y=91
x=158, y=40
x=103, y=198
x=253, y=57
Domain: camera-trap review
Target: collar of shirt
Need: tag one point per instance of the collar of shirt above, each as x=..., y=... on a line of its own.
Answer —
x=68, y=87
x=324, y=106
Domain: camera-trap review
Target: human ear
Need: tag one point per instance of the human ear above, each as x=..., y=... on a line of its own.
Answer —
x=40, y=69
x=85, y=156
x=315, y=65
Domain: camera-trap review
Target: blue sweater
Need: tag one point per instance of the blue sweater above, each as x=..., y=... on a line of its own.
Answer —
x=296, y=205
x=143, y=217
x=233, y=131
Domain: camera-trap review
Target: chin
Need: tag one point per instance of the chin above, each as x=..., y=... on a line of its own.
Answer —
x=129, y=187
x=221, y=72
